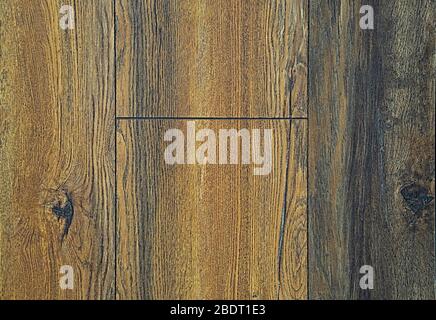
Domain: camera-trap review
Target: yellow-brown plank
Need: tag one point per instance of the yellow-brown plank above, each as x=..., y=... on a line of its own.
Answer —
x=56, y=149
x=210, y=231
x=293, y=258
x=220, y=58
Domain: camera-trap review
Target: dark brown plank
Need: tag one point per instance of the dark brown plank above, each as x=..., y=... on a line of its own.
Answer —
x=371, y=149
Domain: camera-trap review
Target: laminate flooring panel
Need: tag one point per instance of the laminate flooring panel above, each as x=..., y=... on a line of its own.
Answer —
x=215, y=58
x=371, y=150
x=56, y=150
x=213, y=231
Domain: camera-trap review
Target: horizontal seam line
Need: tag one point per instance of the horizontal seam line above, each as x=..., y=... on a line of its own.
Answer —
x=208, y=118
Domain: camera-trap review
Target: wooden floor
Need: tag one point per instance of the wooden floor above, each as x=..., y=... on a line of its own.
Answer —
x=84, y=182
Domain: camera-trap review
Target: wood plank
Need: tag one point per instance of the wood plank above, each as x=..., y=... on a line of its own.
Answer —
x=293, y=258
x=209, y=58
x=56, y=150
x=209, y=231
x=371, y=150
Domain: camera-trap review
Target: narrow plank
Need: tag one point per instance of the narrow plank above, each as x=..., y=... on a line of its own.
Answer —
x=212, y=58
x=371, y=150
x=293, y=259
x=209, y=231
x=56, y=150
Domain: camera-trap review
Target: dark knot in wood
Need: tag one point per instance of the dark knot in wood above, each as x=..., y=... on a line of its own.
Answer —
x=416, y=197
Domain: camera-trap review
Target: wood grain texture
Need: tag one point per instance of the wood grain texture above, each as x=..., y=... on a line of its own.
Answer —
x=56, y=150
x=214, y=58
x=293, y=257
x=353, y=184
x=371, y=150
x=209, y=231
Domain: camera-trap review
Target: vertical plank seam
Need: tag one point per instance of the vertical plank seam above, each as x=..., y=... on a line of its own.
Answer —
x=307, y=151
x=115, y=147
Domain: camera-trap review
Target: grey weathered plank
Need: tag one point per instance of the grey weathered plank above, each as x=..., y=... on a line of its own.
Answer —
x=371, y=149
